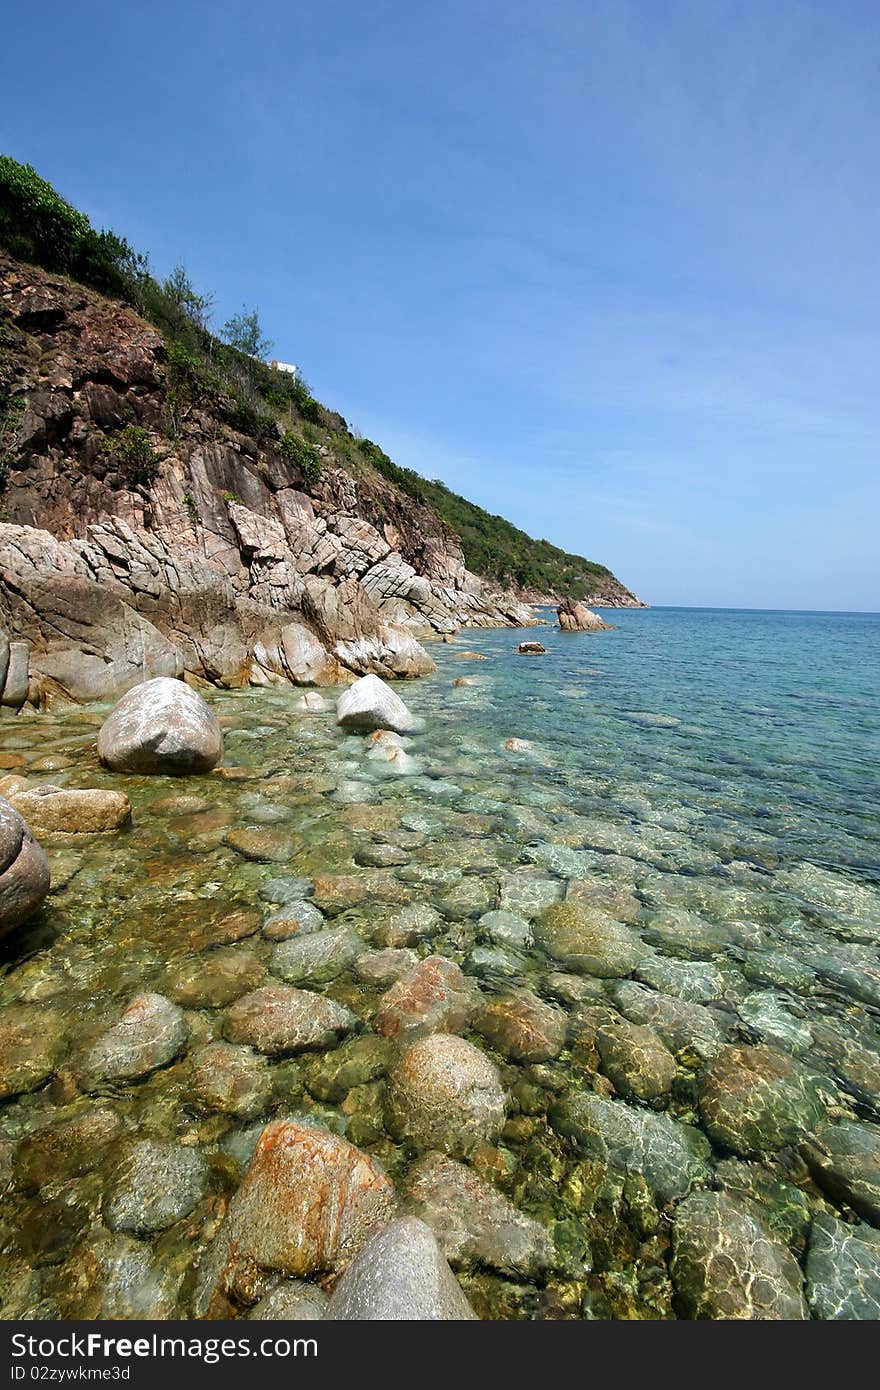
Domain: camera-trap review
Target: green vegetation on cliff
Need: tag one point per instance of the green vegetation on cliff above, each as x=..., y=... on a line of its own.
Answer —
x=38, y=226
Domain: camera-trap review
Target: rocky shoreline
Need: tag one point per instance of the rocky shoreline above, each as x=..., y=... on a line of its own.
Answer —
x=424, y=1087
x=139, y=539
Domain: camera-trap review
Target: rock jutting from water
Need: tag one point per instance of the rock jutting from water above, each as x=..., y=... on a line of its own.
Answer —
x=161, y=726
x=24, y=870
x=370, y=704
x=577, y=617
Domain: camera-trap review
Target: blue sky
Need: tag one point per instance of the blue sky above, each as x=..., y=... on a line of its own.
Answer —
x=608, y=269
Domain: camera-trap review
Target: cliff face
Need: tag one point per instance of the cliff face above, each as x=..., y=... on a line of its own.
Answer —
x=140, y=536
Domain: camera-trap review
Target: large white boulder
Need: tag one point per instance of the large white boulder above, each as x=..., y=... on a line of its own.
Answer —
x=371, y=704
x=162, y=726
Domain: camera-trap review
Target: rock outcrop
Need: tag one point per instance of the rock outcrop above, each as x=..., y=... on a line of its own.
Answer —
x=577, y=617
x=190, y=546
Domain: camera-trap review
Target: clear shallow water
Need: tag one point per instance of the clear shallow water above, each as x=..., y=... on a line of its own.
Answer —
x=713, y=776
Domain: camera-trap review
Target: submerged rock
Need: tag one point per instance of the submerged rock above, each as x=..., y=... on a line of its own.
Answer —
x=688, y=1030
x=60, y=810
x=433, y=996
x=153, y=1185
x=161, y=726
x=755, y=1100
x=308, y=1202
x=587, y=939
x=65, y=1149
x=370, y=704
x=473, y=1223
x=445, y=1094
x=277, y=1019
x=506, y=929
x=150, y=1033
x=400, y=1276
x=215, y=979
x=316, y=957
x=522, y=1026
x=843, y=1270
x=726, y=1264
x=384, y=967
x=844, y=1159
x=671, y=1156
x=634, y=1059
x=229, y=1079
x=24, y=871
x=697, y=982
x=33, y=1041
x=117, y=1277
x=293, y=1301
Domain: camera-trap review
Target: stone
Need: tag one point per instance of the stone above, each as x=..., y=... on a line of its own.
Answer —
x=161, y=726
x=522, y=1026
x=150, y=1034
x=445, y=1094
x=261, y=844
x=844, y=1160
x=769, y=1020
x=843, y=1270
x=370, y=704
x=384, y=967
x=56, y=810
x=695, y=981
x=399, y=1276
x=114, y=1276
x=230, y=1080
x=293, y=919
x=531, y=649
x=311, y=702
x=434, y=996
x=411, y=925
x=215, y=979
x=726, y=1263
x=755, y=1101
x=689, y=1030
x=588, y=940
x=24, y=871
x=634, y=1059
x=65, y=1149
x=318, y=956
x=671, y=1156
x=14, y=690
x=473, y=1223
x=33, y=1042
x=308, y=1203
x=577, y=617
x=506, y=929
x=355, y=1063
x=293, y=1301
x=153, y=1185
x=278, y=1019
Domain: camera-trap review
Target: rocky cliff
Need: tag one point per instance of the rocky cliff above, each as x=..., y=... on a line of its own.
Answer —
x=146, y=532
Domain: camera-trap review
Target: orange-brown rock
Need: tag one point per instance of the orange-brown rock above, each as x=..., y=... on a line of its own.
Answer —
x=433, y=997
x=308, y=1203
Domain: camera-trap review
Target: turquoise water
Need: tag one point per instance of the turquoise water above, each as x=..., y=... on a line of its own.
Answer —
x=777, y=722
x=710, y=778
